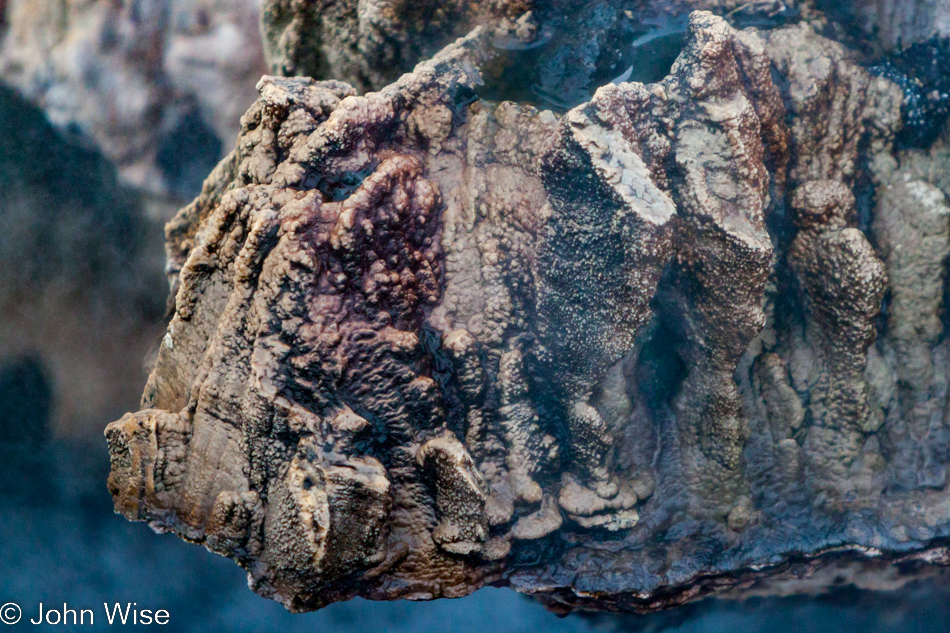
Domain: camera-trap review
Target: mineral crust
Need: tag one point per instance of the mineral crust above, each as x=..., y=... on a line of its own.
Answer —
x=651, y=348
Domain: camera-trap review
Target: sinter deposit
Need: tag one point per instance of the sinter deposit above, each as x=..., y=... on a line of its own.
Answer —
x=686, y=337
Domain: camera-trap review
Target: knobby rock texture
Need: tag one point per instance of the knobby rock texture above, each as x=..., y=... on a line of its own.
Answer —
x=369, y=43
x=685, y=338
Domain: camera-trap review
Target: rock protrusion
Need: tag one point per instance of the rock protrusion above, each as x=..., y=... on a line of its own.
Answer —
x=843, y=284
x=424, y=342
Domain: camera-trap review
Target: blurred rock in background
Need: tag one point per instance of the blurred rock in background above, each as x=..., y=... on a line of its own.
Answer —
x=894, y=23
x=81, y=283
x=139, y=79
x=111, y=115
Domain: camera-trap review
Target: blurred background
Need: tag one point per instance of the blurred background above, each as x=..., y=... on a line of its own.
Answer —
x=111, y=114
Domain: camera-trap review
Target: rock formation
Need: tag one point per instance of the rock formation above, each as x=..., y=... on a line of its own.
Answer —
x=894, y=23
x=81, y=283
x=370, y=43
x=618, y=357
x=156, y=86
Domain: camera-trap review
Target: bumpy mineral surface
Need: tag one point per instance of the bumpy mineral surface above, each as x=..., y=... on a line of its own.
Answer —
x=369, y=43
x=686, y=337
